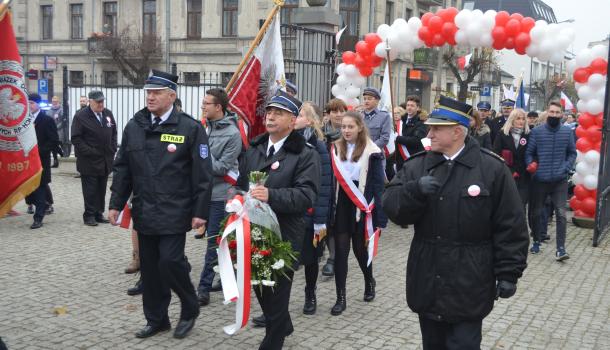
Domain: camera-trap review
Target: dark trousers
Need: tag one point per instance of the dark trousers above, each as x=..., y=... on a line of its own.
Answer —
x=217, y=214
x=163, y=266
x=558, y=192
x=94, y=194
x=450, y=336
x=342, y=243
x=274, y=302
x=39, y=199
x=48, y=196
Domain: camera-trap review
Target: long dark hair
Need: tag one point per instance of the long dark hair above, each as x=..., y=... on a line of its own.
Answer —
x=361, y=140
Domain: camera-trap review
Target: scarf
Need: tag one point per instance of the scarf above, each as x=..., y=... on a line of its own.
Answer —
x=516, y=134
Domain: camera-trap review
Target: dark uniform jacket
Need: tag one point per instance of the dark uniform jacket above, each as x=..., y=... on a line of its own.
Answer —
x=293, y=186
x=48, y=140
x=412, y=132
x=94, y=143
x=496, y=127
x=514, y=157
x=169, y=187
x=464, y=239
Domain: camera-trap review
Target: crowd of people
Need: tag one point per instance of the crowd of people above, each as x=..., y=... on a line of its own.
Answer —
x=330, y=174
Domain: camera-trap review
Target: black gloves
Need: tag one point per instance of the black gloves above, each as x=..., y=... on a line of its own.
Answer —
x=505, y=289
x=428, y=185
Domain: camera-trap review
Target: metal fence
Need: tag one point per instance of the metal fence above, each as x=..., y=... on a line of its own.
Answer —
x=602, y=212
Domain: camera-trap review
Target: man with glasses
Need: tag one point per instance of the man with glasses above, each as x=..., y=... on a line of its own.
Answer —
x=94, y=136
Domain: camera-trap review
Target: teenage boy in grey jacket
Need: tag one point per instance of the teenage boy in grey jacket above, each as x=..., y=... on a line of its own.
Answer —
x=225, y=147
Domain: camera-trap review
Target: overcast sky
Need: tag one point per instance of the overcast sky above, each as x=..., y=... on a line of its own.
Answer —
x=591, y=21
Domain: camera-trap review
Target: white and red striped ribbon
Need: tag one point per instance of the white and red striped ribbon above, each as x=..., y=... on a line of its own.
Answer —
x=236, y=290
x=357, y=197
x=402, y=149
x=231, y=177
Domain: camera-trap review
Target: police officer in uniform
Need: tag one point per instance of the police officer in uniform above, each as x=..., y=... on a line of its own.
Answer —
x=484, y=109
x=164, y=161
x=506, y=106
x=470, y=243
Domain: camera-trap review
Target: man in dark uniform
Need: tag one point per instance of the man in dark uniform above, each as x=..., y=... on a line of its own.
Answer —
x=291, y=188
x=470, y=243
x=484, y=109
x=48, y=140
x=507, y=106
x=164, y=161
x=413, y=130
x=94, y=137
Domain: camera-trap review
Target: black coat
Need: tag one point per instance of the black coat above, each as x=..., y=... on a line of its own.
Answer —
x=293, y=186
x=412, y=133
x=496, y=126
x=504, y=146
x=169, y=188
x=463, y=243
x=94, y=143
x=48, y=141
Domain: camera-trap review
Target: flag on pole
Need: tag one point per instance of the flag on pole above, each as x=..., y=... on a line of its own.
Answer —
x=464, y=61
x=521, y=102
x=20, y=167
x=509, y=92
x=385, y=104
x=339, y=34
x=566, y=103
x=260, y=79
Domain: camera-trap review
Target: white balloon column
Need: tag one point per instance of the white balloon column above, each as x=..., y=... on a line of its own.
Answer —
x=589, y=70
x=465, y=28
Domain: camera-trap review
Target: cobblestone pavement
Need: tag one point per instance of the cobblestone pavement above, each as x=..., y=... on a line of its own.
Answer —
x=557, y=305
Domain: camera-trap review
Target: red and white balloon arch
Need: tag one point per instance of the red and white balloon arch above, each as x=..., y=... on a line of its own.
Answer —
x=497, y=30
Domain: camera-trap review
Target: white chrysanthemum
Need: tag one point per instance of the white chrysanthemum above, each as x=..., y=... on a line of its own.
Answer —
x=278, y=264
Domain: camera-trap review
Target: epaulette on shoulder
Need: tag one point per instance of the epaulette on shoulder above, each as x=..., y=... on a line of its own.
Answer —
x=418, y=154
x=492, y=154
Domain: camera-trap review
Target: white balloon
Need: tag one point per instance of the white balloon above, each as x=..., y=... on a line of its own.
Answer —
x=585, y=93
x=393, y=54
x=600, y=51
x=488, y=22
x=383, y=31
x=342, y=81
x=352, y=91
x=461, y=38
x=401, y=42
x=583, y=168
x=416, y=42
x=352, y=102
x=600, y=94
x=571, y=66
x=569, y=33
x=532, y=50
x=577, y=179
x=582, y=106
x=557, y=57
x=463, y=18
x=335, y=90
x=595, y=106
x=584, y=58
x=596, y=81
x=486, y=40
x=351, y=70
x=543, y=55
x=394, y=41
x=342, y=97
x=592, y=158
x=414, y=23
x=491, y=13
x=537, y=34
x=399, y=23
x=590, y=182
x=553, y=29
x=359, y=80
x=579, y=156
x=341, y=69
x=380, y=50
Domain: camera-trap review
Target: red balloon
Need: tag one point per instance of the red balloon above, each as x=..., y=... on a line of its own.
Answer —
x=372, y=39
x=584, y=145
x=499, y=34
x=520, y=50
x=517, y=16
x=448, y=30
x=424, y=33
x=522, y=40
x=581, y=75
x=599, y=121
x=594, y=194
x=599, y=65
x=581, y=192
x=510, y=43
x=512, y=27
x=449, y=14
x=348, y=57
x=365, y=71
x=435, y=24
x=594, y=134
x=501, y=18
x=585, y=121
x=581, y=214
x=588, y=205
x=363, y=48
x=499, y=45
x=527, y=24
x=375, y=61
x=359, y=61
x=575, y=203
x=438, y=40
x=581, y=131
x=426, y=17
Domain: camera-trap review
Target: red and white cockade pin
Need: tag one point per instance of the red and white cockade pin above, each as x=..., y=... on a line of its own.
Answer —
x=474, y=190
x=275, y=165
x=522, y=142
x=171, y=148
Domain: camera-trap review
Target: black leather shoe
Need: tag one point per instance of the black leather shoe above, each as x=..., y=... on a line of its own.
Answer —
x=369, y=290
x=328, y=270
x=259, y=321
x=137, y=289
x=204, y=298
x=340, y=304
x=545, y=238
x=310, y=301
x=102, y=220
x=90, y=222
x=216, y=287
x=36, y=224
x=184, y=326
x=149, y=330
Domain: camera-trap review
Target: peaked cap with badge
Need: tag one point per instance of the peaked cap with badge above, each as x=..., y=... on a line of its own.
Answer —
x=450, y=112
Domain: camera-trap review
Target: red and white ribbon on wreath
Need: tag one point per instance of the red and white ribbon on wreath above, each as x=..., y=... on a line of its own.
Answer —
x=402, y=149
x=237, y=290
x=360, y=202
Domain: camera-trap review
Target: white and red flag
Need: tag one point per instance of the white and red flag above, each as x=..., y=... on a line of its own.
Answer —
x=124, y=218
x=259, y=80
x=385, y=104
x=464, y=61
x=566, y=103
x=20, y=167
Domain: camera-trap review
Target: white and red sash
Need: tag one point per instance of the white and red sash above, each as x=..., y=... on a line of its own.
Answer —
x=357, y=197
x=231, y=177
x=124, y=219
x=402, y=149
x=237, y=290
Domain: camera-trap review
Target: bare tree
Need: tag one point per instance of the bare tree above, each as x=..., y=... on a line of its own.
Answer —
x=482, y=59
x=552, y=88
x=133, y=53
